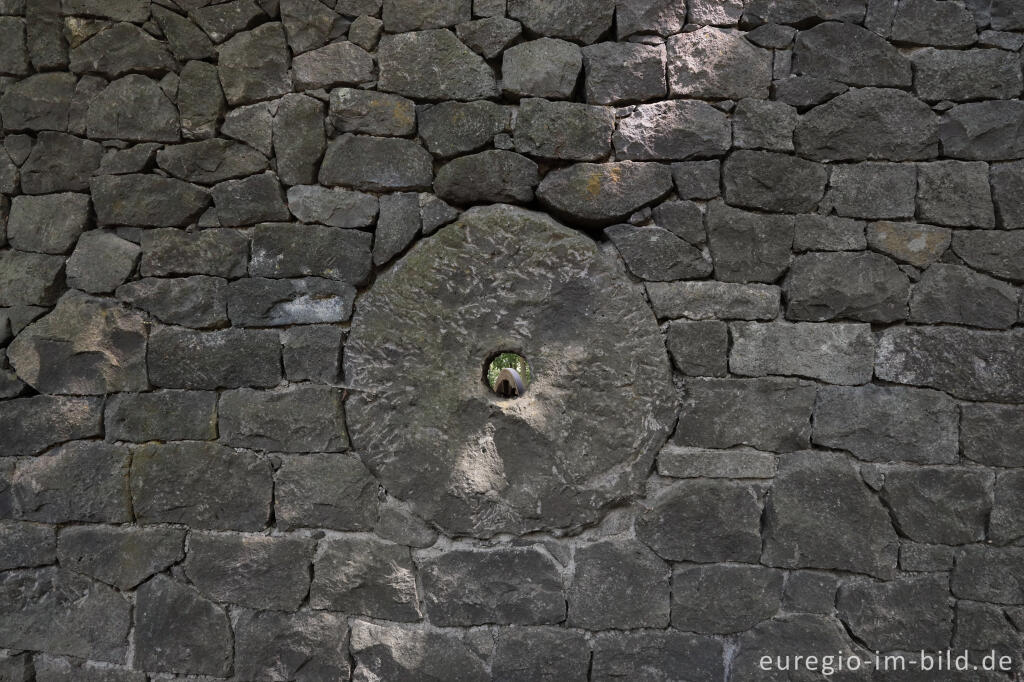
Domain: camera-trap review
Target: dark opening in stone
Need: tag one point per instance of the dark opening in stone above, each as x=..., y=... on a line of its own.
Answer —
x=507, y=374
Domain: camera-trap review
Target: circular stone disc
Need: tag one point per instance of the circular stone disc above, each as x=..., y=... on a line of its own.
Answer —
x=601, y=402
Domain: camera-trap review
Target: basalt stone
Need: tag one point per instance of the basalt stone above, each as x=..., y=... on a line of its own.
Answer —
x=849, y=54
x=919, y=245
x=309, y=24
x=24, y=545
x=601, y=194
x=931, y=22
x=821, y=515
x=991, y=574
x=84, y=481
x=381, y=651
x=176, y=630
x=325, y=491
x=101, y=262
x=653, y=253
x=203, y=485
x=984, y=131
x=186, y=40
x=407, y=67
x=211, y=161
x=547, y=68
x=915, y=556
x=711, y=63
x=60, y=163
x=543, y=654
x=714, y=300
x=340, y=63
x=661, y=655
x=453, y=128
x=61, y=612
x=909, y=614
x=253, y=65
x=366, y=31
x=251, y=200
x=398, y=524
x=19, y=667
x=804, y=92
x=355, y=8
x=9, y=180
x=292, y=250
x=833, y=353
x=563, y=130
x=960, y=75
x=581, y=22
x=683, y=218
x=724, y=599
x=301, y=418
x=617, y=73
x=618, y=584
x=489, y=37
x=955, y=193
x=1006, y=15
x=372, y=113
x=312, y=353
x=376, y=164
x=260, y=302
x=253, y=125
x=365, y=576
x=802, y=11
x=47, y=224
x=161, y=415
x=674, y=130
x=870, y=123
x=989, y=434
x=184, y=358
x=996, y=252
x=828, y=233
x=875, y=190
x=958, y=295
x=861, y=286
x=682, y=462
x=31, y=425
x=30, y=278
x=146, y=201
x=133, y=108
x=939, y=505
x=214, y=252
x=52, y=669
x=335, y=207
x=199, y=302
x=494, y=176
x=1007, y=522
x=306, y=647
x=789, y=636
x=1007, y=192
x=401, y=16
x=747, y=246
x=968, y=364
x=773, y=182
x=200, y=101
x=662, y=17
x=14, y=60
x=39, y=102
x=223, y=20
x=984, y=627
x=122, y=48
x=516, y=585
x=121, y=557
x=764, y=124
x=87, y=346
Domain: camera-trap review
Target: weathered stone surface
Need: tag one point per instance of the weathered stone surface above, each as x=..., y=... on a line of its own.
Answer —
x=308, y=24
x=764, y=124
x=601, y=194
x=984, y=131
x=384, y=163
x=302, y=418
x=847, y=53
x=222, y=20
x=958, y=295
x=489, y=37
x=773, y=182
x=199, y=302
x=312, y=353
x=544, y=654
x=252, y=125
x=325, y=491
x=60, y=163
x=547, y=68
x=860, y=286
x=915, y=556
x=366, y=31
x=260, y=302
x=401, y=16
x=870, y=123
x=251, y=200
x=341, y=63
x=1007, y=189
x=910, y=614
x=210, y=161
x=683, y=218
x=494, y=176
x=50, y=223
x=30, y=278
x=873, y=190
x=14, y=60
x=31, y=425
x=119, y=49
x=365, y=576
x=961, y=75
x=183, y=358
x=121, y=557
x=52, y=669
x=564, y=130
x=292, y=250
x=955, y=193
x=821, y=515
x=748, y=247
x=161, y=415
x=186, y=40
x=714, y=300
x=983, y=627
x=133, y=108
x=581, y=22
x=397, y=524
x=652, y=253
x=724, y=599
x=617, y=73
x=660, y=655
x=516, y=585
x=618, y=584
x=919, y=245
x=887, y=423
x=146, y=201
x=388, y=652
x=673, y=130
x=1006, y=15
x=663, y=17
x=833, y=353
x=407, y=67
x=682, y=462
x=398, y=225
x=1007, y=522
x=101, y=262
x=63, y=613
x=789, y=636
x=805, y=92
x=991, y=574
x=176, y=630
x=828, y=233
x=940, y=505
x=453, y=128
x=372, y=113
x=253, y=65
x=995, y=252
x=797, y=12
x=306, y=647
x=24, y=545
x=203, y=485
x=711, y=63
x=928, y=22
x=989, y=434
x=18, y=667
x=335, y=207
x=39, y=102
x=969, y=364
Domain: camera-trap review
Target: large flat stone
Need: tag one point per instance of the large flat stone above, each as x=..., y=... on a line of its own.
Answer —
x=407, y=67
x=833, y=353
x=602, y=194
x=31, y=425
x=365, y=576
x=231, y=358
x=300, y=418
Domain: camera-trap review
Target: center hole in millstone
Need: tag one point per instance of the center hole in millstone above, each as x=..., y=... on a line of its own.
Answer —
x=507, y=374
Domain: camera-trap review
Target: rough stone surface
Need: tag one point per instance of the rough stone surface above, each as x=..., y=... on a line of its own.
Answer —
x=847, y=53
x=366, y=577
x=617, y=73
x=495, y=176
x=789, y=635
x=724, y=599
x=874, y=190
x=325, y=491
x=546, y=67
x=596, y=194
x=714, y=300
x=960, y=75
x=305, y=646
x=183, y=358
x=253, y=65
x=955, y=193
x=686, y=462
x=406, y=67
x=673, y=130
x=991, y=251
x=383, y=164
x=919, y=245
x=301, y=418
x=133, y=108
x=983, y=131
x=924, y=621
x=25, y=545
x=453, y=128
x=31, y=425
x=146, y=201
x=121, y=557
x=660, y=655
x=47, y=224
x=390, y=651
x=833, y=353
x=773, y=182
x=199, y=301
x=563, y=130
x=372, y=113
x=939, y=505
x=575, y=20
x=859, y=286
x=281, y=250
x=259, y=302
x=101, y=262
x=958, y=295
x=747, y=246
x=988, y=434
x=542, y=653
x=161, y=415
x=712, y=63
x=655, y=254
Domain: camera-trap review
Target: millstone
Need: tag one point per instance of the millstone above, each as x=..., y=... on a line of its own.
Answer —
x=600, y=405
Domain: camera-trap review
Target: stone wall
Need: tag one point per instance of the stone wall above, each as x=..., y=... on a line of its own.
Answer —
x=763, y=257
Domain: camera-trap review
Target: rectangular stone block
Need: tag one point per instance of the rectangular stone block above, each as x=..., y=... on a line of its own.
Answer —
x=991, y=434
x=686, y=462
x=231, y=358
x=161, y=415
x=301, y=418
x=261, y=302
x=312, y=353
x=31, y=425
x=828, y=233
x=834, y=353
x=699, y=348
x=363, y=575
x=308, y=646
x=24, y=545
x=714, y=300
x=325, y=491
x=216, y=252
x=292, y=250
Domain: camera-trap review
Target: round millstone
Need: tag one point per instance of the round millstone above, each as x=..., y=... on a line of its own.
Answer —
x=600, y=405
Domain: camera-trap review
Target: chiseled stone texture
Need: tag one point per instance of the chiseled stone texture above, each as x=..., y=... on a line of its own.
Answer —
x=833, y=353
x=365, y=576
x=618, y=584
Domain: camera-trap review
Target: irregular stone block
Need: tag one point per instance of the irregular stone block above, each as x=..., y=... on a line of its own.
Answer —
x=992, y=251
x=211, y=161
x=372, y=113
x=259, y=302
x=544, y=654
x=601, y=194
x=24, y=545
x=989, y=434
x=494, y=176
x=682, y=462
x=764, y=124
x=929, y=22
x=652, y=253
x=51, y=669
x=747, y=246
x=302, y=418
x=984, y=131
x=47, y=224
x=223, y=20
x=547, y=68
x=186, y=40
x=909, y=614
x=940, y=505
x=874, y=190
x=398, y=225
x=326, y=491
x=683, y=218
x=711, y=63
x=101, y=262
x=381, y=651
x=161, y=415
x=828, y=233
x=699, y=348
x=146, y=201
x=334, y=207
x=292, y=250
x=31, y=425
x=617, y=73
x=849, y=54
x=19, y=668
x=697, y=179
x=250, y=200
x=773, y=182
x=133, y=108
x=60, y=163
x=401, y=16
x=955, y=193
x=991, y=574
x=961, y=75
x=918, y=557
x=312, y=353
x=407, y=64
x=673, y=130
x=919, y=245
x=983, y=627
x=384, y=163
x=860, y=286
x=215, y=252
x=787, y=636
x=833, y=353
x=724, y=599
x=31, y=279
x=398, y=524
x=308, y=24
x=660, y=655
x=1008, y=193
x=306, y=647
x=958, y=295
x=1007, y=522
x=183, y=358
x=341, y=63
x=14, y=60
x=198, y=302
x=121, y=557
x=714, y=300
x=563, y=130
x=252, y=125
x=366, y=31
x=253, y=65
x=39, y=102
x=489, y=37
x=1006, y=15
x=119, y=49
x=663, y=17
x=452, y=128
x=580, y=22
x=365, y=576
x=618, y=584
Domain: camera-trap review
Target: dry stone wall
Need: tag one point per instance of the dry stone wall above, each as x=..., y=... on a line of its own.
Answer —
x=764, y=256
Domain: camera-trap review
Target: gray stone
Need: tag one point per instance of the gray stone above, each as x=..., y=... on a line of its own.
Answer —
x=931, y=22
x=383, y=164
x=968, y=364
x=373, y=113
x=211, y=161
x=101, y=262
x=764, y=124
x=9, y=180
x=340, y=63
x=1006, y=15
x=995, y=252
x=847, y=53
x=251, y=200
x=199, y=302
x=366, y=32
x=682, y=462
x=161, y=415
x=39, y=102
x=365, y=576
x=747, y=246
x=983, y=627
x=133, y=108
x=799, y=11
x=821, y=515
x=603, y=194
x=772, y=36
x=30, y=278
x=335, y=207
x=989, y=434
x=489, y=37
x=960, y=75
x=146, y=201
x=19, y=668
x=860, y=286
x=618, y=584
x=401, y=16
x=186, y=40
x=52, y=669
x=1007, y=192
x=564, y=130
x=581, y=22
x=919, y=557
x=711, y=63
x=121, y=557
x=958, y=295
x=870, y=123
x=260, y=302
x=985, y=131
x=253, y=65
x=673, y=130
x=547, y=68
x=699, y=348
x=909, y=614
x=1004, y=40
x=476, y=458
x=407, y=67
x=31, y=425
x=222, y=20
x=874, y=190
x=119, y=49
x=382, y=651
x=325, y=491
x=940, y=505
x=24, y=545
x=301, y=418
x=176, y=630
x=397, y=227
x=724, y=599
x=773, y=182
x=617, y=73
x=397, y=524
x=791, y=635
x=292, y=250
x=955, y=193
x=251, y=124
x=683, y=218
x=306, y=647
x=833, y=353
x=203, y=485
x=453, y=128
x=516, y=585
x=662, y=656
x=60, y=163
x=62, y=612
x=14, y=60
x=828, y=233
x=540, y=654
x=213, y=252
x=312, y=353
x=309, y=24
x=200, y=101
x=1007, y=522
x=991, y=574
x=653, y=253
x=919, y=245
x=662, y=17
x=805, y=92
x=183, y=358
x=356, y=8
x=47, y=224
x=494, y=176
